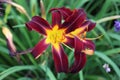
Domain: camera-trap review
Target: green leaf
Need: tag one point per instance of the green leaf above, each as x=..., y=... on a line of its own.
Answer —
x=114, y=36
x=3, y=49
x=99, y=27
x=109, y=61
x=81, y=75
x=112, y=51
x=14, y=69
x=48, y=72
x=25, y=78
x=104, y=9
x=19, y=26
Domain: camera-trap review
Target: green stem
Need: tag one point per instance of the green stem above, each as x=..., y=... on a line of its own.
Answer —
x=107, y=19
x=81, y=75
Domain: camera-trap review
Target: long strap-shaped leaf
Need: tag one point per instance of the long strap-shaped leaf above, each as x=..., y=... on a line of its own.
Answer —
x=28, y=67
x=109, y=61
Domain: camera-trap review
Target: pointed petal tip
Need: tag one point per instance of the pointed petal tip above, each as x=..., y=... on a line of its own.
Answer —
x=91, y=26
x=39, y=48
x=66, y=12
x=28, y=26
x=38, y=24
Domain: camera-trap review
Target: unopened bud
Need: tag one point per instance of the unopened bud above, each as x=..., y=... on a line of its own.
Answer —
x=42, y=9
x=9, y=39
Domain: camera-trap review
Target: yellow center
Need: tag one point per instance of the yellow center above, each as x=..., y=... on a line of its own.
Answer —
x=55, y=36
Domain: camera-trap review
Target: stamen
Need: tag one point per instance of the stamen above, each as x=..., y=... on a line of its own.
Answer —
x=94, y=38
x=55, y=35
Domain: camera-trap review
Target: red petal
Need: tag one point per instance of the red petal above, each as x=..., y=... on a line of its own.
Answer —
x=89, y=44
x=69, y=42
x=41, y=21
x=39, y=48
x=35, y=26
x=38, y=24
x=80, y=57
x=60, y=59
x=75, y=20
x=56, y=18
x=90, y=26
x=66, y=12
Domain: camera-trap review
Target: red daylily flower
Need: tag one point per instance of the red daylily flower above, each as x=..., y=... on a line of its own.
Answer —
x=77, y=34
x=68, y=32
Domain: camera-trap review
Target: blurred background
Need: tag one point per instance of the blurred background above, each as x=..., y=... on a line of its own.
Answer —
x=107, y=47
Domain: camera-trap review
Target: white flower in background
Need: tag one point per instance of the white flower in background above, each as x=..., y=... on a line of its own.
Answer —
x=106, y=67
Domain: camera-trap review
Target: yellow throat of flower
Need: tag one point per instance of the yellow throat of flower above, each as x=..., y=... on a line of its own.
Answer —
x=55, y=36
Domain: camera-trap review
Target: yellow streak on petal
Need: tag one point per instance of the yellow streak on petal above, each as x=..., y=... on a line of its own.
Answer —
x=38, y=56
x=77, y=31
x=88, y=51
x=57, y=47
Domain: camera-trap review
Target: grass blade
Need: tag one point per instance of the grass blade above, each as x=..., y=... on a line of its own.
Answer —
x=109, y=61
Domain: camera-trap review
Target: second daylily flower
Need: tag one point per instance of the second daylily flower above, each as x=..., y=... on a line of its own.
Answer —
x=69, y=32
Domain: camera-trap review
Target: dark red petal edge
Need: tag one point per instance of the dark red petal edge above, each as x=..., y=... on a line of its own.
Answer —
x=66, y=12
x=90, y=26
x=69, y=42
x=60, y=60
x=89, y=44
x=31, y=25
x=38, y=24
x=80, y=57
x=56, y=18
x=75, y=20
x=41, y=21
x=39, y=48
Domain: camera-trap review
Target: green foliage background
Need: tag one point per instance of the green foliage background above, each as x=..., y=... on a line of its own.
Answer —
x=107, y=47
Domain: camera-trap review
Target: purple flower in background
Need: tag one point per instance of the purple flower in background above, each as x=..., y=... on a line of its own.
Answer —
x=106, y=67
x=117, y=25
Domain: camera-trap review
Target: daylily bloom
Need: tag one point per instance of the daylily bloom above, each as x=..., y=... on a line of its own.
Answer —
x=68, y=32
x=78, y=32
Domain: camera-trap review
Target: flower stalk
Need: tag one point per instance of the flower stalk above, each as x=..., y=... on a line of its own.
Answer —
x=107, y=19
x=11, y=46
